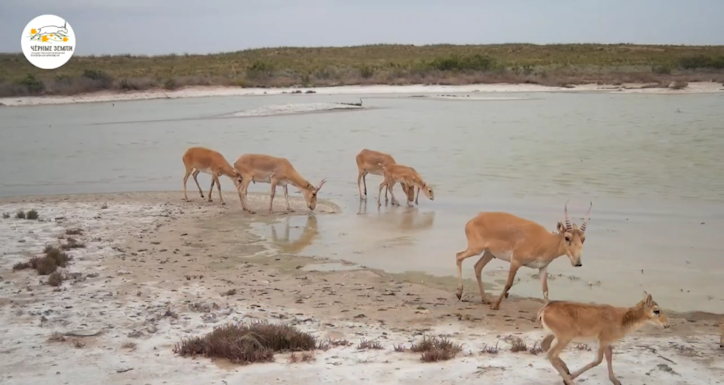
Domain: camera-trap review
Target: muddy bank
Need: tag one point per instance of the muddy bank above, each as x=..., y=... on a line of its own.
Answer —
x=155, y=269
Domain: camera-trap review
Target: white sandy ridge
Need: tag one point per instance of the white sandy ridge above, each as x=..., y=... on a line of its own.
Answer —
x=30, y=312
x=203, y=91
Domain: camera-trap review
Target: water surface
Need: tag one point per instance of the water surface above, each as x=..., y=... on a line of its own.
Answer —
x=650, y=164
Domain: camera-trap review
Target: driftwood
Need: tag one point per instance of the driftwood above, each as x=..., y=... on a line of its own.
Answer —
x=353, y=104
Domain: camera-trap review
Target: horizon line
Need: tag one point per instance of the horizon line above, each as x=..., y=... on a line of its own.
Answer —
x=391, y=44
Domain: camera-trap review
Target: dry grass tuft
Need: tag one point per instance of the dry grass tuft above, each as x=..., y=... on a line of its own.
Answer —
x=517, y=345
x=490, y=349
x=72, y=243
x=32, y=215
x=129, y=345
x=75, y=231
x=20, y=214
x=304, y=357
x=330, y=343
x=46, y=264
x=21, y=266
x=365, y=344
x=56, y=337
x=433, y=349
x=6, y=215
x=678, y=84
x=55, y=279
x=582, y=347
x=536, y=349
x=244, y=344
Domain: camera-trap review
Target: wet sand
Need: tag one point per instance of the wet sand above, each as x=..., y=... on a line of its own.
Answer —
x=147, y=253
x=442, y=91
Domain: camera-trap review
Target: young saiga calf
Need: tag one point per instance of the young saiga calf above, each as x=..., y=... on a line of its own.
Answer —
x=371, y=162
x=521, y=243
x=395, y=173
x=566, y=322
x=275, y=171
x=200, y=159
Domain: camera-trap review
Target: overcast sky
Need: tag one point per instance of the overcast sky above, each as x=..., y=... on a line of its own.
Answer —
x=205, y=26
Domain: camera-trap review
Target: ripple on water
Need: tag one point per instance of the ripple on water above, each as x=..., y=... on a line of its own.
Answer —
x=293, y=108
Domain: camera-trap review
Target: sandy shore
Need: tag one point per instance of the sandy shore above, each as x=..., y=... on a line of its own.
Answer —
x=150, y=255
x=203, y=91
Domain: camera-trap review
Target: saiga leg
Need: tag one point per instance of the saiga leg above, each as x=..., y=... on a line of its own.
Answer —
x=211, y=189
x=242, y=195
x=479, y=266
x=195, y=174
x=594, y=363
x=418, y=195
x=390, y=186
x=360, y=179
x=379, y=193
x=271, y=195
x=514, y=266
x=553, y=357
x=543, y=272
x=609, y=357
x=218, y=187
x=459, y=258
x=186, y=178
x=286, y=196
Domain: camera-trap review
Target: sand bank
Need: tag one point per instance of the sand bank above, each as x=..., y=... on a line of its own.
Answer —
x=203, y=91
x=156, y=269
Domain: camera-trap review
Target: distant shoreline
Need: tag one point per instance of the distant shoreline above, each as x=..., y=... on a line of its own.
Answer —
x=422, y=90
x=376, y=68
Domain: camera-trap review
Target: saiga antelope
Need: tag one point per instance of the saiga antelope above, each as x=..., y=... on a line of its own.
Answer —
x=368, y=162
x=520, y=242
x=394, y=173
x=275, y=171
x=566, y=321
x=201, y=159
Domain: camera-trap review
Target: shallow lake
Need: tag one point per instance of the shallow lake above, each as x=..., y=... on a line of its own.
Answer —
x=651, y=165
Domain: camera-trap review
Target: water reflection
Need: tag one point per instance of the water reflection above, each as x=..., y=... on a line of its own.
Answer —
x=309, y=234
x=399, y=218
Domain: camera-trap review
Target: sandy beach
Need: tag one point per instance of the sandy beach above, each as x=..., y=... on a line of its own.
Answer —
x=156, y=269
x=440, y=90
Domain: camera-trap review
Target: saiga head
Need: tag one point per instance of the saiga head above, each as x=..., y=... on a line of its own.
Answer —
x=310, y=194
x=237, y=178
x=428, y=192
x=653, y=312
x=573, y=236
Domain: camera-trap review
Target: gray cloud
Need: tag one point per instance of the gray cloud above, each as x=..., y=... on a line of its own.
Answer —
x=165, y=26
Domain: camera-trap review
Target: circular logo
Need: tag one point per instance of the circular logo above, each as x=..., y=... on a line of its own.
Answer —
x=48, y=42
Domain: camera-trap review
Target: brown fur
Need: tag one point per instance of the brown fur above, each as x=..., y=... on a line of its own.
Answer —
x=369, y=162
x=521, y=242
x=567, y=321
x=395, y=173
x=275, y=171
x=198, y=159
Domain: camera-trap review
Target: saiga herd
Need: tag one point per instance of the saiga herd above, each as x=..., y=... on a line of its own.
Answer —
x=499, y=235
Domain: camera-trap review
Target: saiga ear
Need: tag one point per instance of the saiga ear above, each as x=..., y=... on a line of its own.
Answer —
x=648, y=300
x=561, y=227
